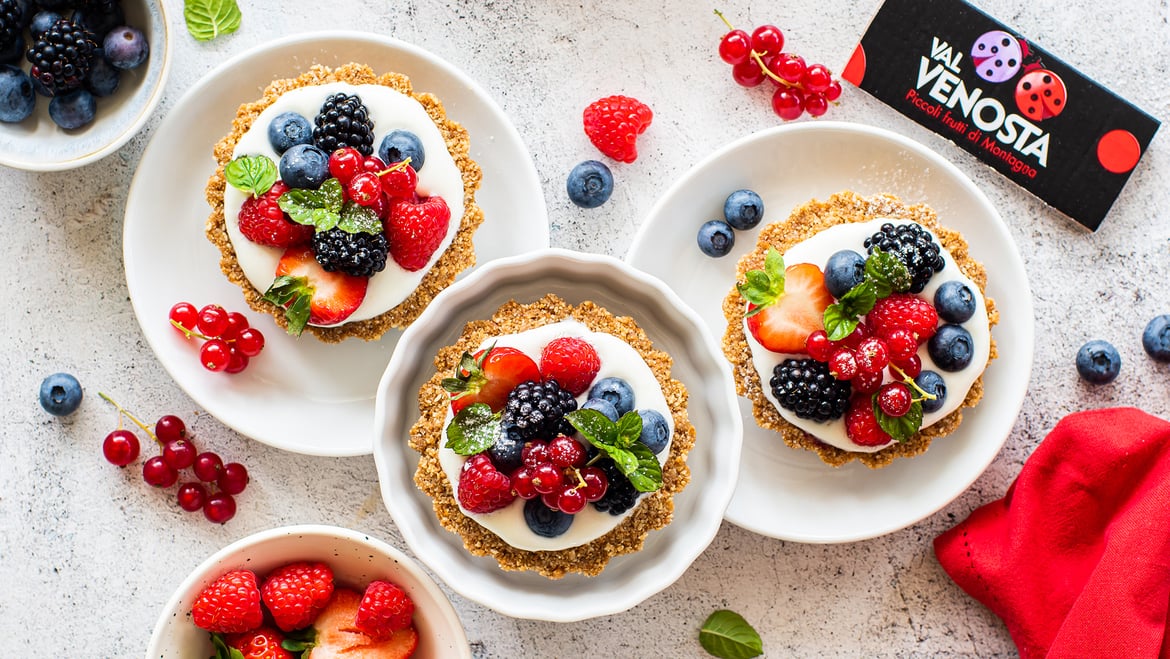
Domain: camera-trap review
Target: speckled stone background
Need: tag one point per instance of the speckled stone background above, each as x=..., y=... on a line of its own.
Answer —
x=88, y=553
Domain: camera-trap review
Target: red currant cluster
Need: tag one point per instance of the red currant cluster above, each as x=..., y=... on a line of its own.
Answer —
x=178, y=452
x=370, y=182
x=556, y=472
x=861, y=358
x=229, y=342
x=800, y=87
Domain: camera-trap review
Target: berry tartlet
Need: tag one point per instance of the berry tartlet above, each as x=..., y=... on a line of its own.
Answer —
x=552, y=437
x=343, y=202
x=859, y=329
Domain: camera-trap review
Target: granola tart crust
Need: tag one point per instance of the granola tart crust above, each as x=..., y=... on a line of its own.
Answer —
x=459, y=255
x=805, y=221
x=654, y=510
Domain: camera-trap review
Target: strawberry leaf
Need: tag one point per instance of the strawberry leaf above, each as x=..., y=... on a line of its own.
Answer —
x=359, y=219
x=320, y=208
x=619, y=441
x=207, y=19
x=473, y=430
x=252, y=174
x=222, y=649
x=726, y=635
x=301, y=642
x=295, y=295
x=899, y=427
x=763, y=287
x=469, y=376
x=887, y=273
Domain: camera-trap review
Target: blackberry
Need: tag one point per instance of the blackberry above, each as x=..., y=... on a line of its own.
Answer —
x=62, y=56
x=11, y=22
x=914, y=246
x=537, y=410
x=344, y=121
x=806, y=388
x=621, y=495
x=359, y=254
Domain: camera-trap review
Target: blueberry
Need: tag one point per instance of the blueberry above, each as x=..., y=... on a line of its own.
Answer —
x=951, y=348
x=602, y=405
x=73, y=110
x=1156, y=338
x=98, y=23
x=716, y=238
x=103, y=78
x=589, y=184
x=1098, y=362
x=506, y=452
x=545, y=521
x=955, y=302
x=400, y=145
x=932, y=383
x=17, y=99
x=844, y=270
x=14, y=52
x=42, y=21
x=615, y=390
x=743, y=209
x=304, y=166
x=60, y=394
x=655, y=432
x=289, y=129
x=126, y=47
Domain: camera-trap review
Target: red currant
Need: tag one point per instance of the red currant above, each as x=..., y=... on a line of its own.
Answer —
x=843, y=364
x=788, y=103
x=191, y=496
x=816, y=78
x=156, y=472
x=552, y=499
x=815, y=104
x=901, y=343
x=400, y=183
x=219, y=508
x=207, y=466
x=237, y=361
x=735, y=47
x=185, y=314
x=522, y=483
x=911, y=366
x=547, y=478
x=250, y=342
x=381, y=206
x=534, y=453
x=364, y=188
x=872, y=356
x=169, y=427
x=571, y=501
x=373, y=164
x=213, y=320
x=596, y=483
x=215, y=355
x=566, y=452
x=867, y=383
x=237, y=322
x=767, y=39
x=833, y=92
x=818, y=346
x=859, y=334
x=233, y=479
x=344, y=163
x=179, y=454
x=789, y=67
x=120, y=447
x=894, y=399
x=748, y=73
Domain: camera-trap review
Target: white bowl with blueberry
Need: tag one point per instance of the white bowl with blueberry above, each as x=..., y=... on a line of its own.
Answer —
x=78, y=78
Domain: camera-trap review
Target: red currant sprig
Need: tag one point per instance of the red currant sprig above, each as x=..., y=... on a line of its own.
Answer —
x=229, y=341
x=557, y=472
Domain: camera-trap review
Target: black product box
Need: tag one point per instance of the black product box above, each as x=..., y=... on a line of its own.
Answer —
x=976, y=82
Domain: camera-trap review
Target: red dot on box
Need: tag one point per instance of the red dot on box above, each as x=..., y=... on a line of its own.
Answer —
x=1118, y=151
x=855, y=70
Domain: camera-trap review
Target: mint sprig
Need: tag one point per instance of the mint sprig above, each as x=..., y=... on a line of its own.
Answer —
x=320, y=208
x=295, y=295
x=884, y=274
x=207, y=19
x=620, y=442
x=359, y=219
x=763, y=287
x=473, y=430
x=252, y=174
x=726, y=635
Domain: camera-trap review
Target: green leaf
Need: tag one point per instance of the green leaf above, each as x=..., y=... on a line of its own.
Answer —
x=887, y=273
x=473, y=430
x=207, y=19
x=727, y=635
x=841, y=317
x=629, y=429
x=222, y=649
x=619, y=441
x=899, y=427
x=359, y=219
x=295, y=295
x=251, y=174
x=320, y=208
x=301, y=641
x=595, y=427
x=763, y=287
x=646, y=476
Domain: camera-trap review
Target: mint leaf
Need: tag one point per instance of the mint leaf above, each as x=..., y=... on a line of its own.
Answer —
x=841, y=317
x=320, y=208
x=473, y=430
x=899, y=427
x=359, y=219
x=629, y=429
x=887, y=273
x=207, y=19
x=619, y=442
x=726, y=635
x=295, y=295
x=595, y=427
x=646, y=476
x=763, y=287
x=222, y=649
x=251, y=174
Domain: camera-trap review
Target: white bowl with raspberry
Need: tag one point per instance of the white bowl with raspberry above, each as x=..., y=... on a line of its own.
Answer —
x=355, y=558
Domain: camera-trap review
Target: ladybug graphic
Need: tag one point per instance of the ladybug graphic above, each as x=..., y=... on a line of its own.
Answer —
x=998, y=55
x=1041, y=94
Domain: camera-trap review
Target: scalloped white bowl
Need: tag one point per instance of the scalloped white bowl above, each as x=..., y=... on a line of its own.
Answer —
x=356, y=559
x=714, y=462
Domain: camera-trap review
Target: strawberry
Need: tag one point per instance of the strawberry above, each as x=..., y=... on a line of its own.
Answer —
x=338, y=638
x=231, y=604
x=296, y=593
x=311, y=295
x=384, y=610
x=262, y=643
x=785, y=305
x=263, y=222
x=488, y=377
x=861, y=424
x=572, y=362
x=903, y=311
x=483, y=489
x=415, y=229
x=614, y=123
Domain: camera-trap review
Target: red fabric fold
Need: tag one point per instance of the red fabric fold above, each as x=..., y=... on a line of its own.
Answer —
x=1076, y=557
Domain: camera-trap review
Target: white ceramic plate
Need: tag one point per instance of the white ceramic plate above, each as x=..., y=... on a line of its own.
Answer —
x=789, y=494
x=714, y=461
x=355, y=558
x=299, y=394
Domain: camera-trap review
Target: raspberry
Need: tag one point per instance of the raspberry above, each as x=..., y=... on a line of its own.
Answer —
x=572, y=362
x=231, y=604
x=384, y=609
x=296, y=593
x=614, y=123
x=262, y=221
x=482, y=489
x=903, y=311
x=861, y=424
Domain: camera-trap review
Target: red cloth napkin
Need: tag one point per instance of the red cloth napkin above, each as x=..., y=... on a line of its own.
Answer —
x=1076, y=557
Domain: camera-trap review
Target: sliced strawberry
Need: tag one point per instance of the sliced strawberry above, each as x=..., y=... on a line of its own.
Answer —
x=785, y=305
x=489, y=376
x=415, y=229
x=311, y=295
x=337, y=637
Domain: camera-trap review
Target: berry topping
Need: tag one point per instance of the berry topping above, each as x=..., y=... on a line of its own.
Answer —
x=538, y=409
x=359, y=254
x=616, y=391
x=785, y=305
x=1098, y=362
x=384, y=609
x=545, y=521
x=399, y=145
x=952, y=347
x=716, y=238
x=894, y=399
x=416, y=229
x=571, y=362
x=914, y=247
x=655, y=430
x=311, y=295
x=808, y=389
x=902, y=311
x=60, y=394
x=954, y=301
x=818, y=346
x=590, y=184
x=861, y=424
x=843, y=364
x=564, y=451
x=231, y=604
x=620, y=495
x=262, y=643
x=62, y=56
x=866, y=382
x=872, y=355
x=343, y=121
x=263, y=222
x=602, y=405
x=614, y=123
x=932, y=383
x=1156, y=338
x=304, y=166
x=482, y=488
x=295, y=594
x=844, y=270
x=743, y=209
x=489, y=376
x=338, y=636
x=287, y=130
